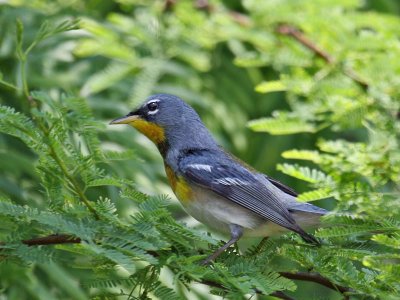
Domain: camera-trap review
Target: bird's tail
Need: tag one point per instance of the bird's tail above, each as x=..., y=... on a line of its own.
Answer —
x=309, y=238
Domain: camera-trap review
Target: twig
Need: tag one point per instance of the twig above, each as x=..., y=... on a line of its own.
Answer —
x=73, y=181
x=351, y=74
x=203, y=5
x=53, y=239
x=169, y=4
x=289, y=30
x=315, y=277
x=294, y=32
x=241, y=19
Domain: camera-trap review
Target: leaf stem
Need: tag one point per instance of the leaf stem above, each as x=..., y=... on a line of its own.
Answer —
x=64, y=169
x=73, y=181
x=25, y=88
x=8, y=85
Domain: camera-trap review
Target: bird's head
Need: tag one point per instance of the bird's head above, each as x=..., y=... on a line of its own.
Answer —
x=167, y=118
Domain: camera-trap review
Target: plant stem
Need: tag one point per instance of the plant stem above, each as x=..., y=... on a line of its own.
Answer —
x=73, y=181
x=64, y=169
x=8, y=85
x=290, y=30
x=25, y=87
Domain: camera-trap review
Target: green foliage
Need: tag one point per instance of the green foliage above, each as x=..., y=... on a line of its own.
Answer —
x=343, y=93
x=313, y=195
x=328, y=71
x=281, y=125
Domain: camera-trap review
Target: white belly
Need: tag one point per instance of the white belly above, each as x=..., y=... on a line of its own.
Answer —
x=218, y=213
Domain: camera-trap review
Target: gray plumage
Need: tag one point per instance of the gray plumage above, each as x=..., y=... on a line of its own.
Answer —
x=226, y=194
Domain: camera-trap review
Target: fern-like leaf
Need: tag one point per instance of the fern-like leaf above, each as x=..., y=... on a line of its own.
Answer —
x=305, y=173
x=278, y=126
x=310, y=155
x=314, y=195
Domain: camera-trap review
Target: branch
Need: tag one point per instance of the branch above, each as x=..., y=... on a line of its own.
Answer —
x=71, y=178
x=239, y=18
x=289, y=30
x=203, y=5
x=53, y=153
x=169, y=4
x=315, y=277
x=53, y=239
x=292, y=31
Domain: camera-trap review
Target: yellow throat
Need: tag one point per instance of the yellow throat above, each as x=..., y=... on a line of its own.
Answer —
x=154, y=132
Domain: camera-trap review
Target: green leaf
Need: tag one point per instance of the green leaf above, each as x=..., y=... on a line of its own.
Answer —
x=311, y=155
x=121, y=260
x=272, y=282
x=270, y=86
x=163, y=292
x=106, y=181
x=118, y=155
x=64, y=280
x=305, y=173
x=349, y=114
x=281, y=126
x=389, y=241
x=315, y=195
x=342, y=231
x=341, y=226
x=35, y=254
x=105, y=78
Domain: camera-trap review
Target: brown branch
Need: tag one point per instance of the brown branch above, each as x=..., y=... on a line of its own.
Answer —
x=315, y=277
x=53, y=239
x=203, y=5
x=351, y=74
x=289, y=30
x=169, y=4
x=199, y=4
x=239, y=18
x=292, y=31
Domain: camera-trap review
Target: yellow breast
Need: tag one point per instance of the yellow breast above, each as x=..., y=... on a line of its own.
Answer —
x=179, y=185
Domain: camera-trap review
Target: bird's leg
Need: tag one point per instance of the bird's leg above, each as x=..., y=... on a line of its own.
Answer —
x=236, y=233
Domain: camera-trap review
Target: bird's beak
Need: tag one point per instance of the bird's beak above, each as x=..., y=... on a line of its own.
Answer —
x=125, y=120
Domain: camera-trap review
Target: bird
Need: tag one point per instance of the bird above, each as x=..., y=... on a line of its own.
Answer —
x=213, y=186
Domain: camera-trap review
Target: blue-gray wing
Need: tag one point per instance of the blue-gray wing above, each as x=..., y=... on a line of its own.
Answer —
x=229, y=179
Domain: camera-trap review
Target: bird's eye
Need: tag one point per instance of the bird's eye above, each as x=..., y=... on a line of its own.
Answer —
x=152, y=106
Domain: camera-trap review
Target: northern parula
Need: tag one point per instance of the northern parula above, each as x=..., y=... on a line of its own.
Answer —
x=213, y=186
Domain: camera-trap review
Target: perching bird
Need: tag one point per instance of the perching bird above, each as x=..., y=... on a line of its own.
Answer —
x=213, y=186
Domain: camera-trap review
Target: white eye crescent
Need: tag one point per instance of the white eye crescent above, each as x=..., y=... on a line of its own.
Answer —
x=152, y=106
